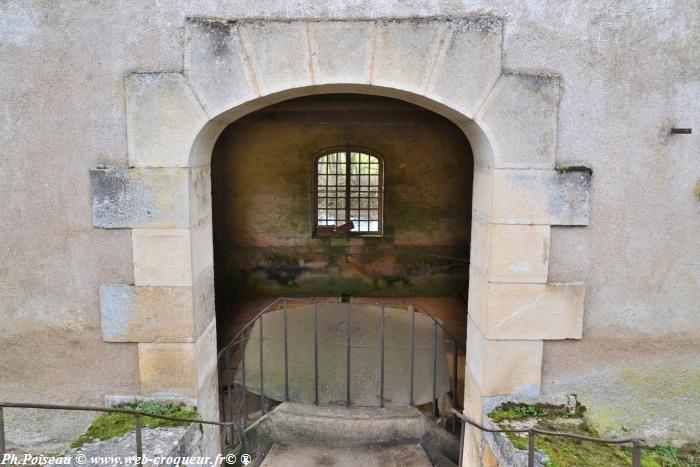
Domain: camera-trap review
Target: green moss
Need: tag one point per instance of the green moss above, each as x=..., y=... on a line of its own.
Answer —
x=564, y=452
x=112, y=425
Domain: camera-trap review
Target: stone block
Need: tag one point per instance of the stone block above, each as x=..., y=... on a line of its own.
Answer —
x=206, y=355
x=554, y=197
x=139, y=197
x=162, y=257
x=279, y=54
x=520, y=117
x=406, y=52
x=204, y=305
x=469, y=63
x=146, y=314
x=534, y=311
x=215, y=64
x=167, y=369
x=482, y=192
x=518, y=253
x=502, y=367
x=163, y=118
x=200, y=195
x=202, y=247
x=335, y=45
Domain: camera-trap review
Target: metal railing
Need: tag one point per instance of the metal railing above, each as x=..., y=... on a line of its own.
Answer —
x=225, y=356
x=636, y=443
x=235, y=430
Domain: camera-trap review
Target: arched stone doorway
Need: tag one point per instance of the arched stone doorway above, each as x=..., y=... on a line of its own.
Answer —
x=231, y=68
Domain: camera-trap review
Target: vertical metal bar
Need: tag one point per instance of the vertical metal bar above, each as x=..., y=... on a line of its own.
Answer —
x=245, y=390
x=139, y=446
x=230, y=386
x=2, y=431
x=262, y=369
x=347, y=355
x=636, y=454
x=286, y=356
x=435, y=334
x=413, y=350
x=454, y=374
x=530, y=448
x=462, y=434
x=381, y=361
x=316, y=353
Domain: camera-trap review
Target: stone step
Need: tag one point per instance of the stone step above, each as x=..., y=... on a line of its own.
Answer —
x=402, y=455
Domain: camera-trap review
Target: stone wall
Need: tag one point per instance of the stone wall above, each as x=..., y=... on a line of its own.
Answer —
x=262, y=172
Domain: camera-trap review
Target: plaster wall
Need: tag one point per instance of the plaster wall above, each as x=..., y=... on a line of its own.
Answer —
x=629, y=71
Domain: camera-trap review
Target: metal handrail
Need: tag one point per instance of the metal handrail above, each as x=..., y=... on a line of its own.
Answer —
x=224, y=355
x=637, y=443
x=137, y=414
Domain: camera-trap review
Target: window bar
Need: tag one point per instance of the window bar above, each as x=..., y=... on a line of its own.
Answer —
x=347, y=356
x=348, y=165
x=286, y=356
x=381, y=361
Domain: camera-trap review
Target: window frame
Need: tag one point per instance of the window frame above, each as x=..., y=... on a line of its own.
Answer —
x=347, y=149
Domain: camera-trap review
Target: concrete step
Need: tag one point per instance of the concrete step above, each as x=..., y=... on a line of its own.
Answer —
x=402, y=455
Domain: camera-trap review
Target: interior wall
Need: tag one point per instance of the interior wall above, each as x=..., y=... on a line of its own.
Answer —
x=262, y=173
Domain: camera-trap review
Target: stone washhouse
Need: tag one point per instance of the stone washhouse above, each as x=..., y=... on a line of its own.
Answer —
x=539, y=193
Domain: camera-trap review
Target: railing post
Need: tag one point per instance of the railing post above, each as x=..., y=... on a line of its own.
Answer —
x=435, y=333
x=227, y=357
x=316, y=353
x=413, y=350
x=531, y=448
x=462, y=434
x=262, y=370
x=381, y=360
x=286, y=356
x=454, y=374
x=2, y=431
x=636, y=454
x=139, y=446
x=347, y=354
x=245, y=390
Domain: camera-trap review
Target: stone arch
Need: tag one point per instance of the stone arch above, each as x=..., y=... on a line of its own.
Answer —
x=451, y=66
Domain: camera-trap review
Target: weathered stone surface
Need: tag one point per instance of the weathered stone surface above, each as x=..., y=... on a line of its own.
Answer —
x=518, y=253
x=146, y=314
x=295, y=455
x=139, y=197
x=216, y=64
x=510, y=253
x=202, y=247
x=168, y=369
x=200, y=195
x=526, y=311
x=162, y=442
x=502, y=367
x=162, y=257
x=469, y=63
x=520, y=117
x=163, y=117
x=279, y=54
x=204, y=297
x=555, y=197
x=335, y=44
x=206, y=356
x=406, y=52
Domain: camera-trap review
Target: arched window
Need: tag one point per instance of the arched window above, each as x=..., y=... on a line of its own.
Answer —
x=348, y=193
